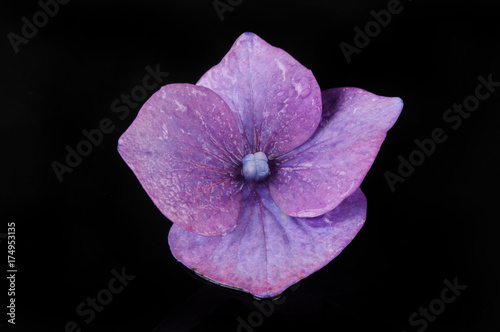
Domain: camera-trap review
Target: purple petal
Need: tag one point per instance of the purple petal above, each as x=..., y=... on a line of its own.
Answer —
x=317, y=176
x=276, y=100
x=184, y=147
x=269, y=251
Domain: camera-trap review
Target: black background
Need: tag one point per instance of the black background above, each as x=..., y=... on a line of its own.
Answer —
x=441, y=223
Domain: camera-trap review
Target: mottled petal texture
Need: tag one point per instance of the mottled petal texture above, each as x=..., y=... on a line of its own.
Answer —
x=185, y=149
x=276, y=100
x=269, y=251
x=317, y=176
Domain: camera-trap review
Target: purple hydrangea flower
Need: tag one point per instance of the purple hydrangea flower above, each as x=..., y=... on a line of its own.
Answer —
x=256, y=167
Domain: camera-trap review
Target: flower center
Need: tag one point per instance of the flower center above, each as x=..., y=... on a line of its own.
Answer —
x=255, y=167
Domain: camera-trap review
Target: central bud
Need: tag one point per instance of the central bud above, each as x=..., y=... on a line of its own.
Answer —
x=255, y=167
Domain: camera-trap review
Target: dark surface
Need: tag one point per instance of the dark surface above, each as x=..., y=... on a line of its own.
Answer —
x=440, y=223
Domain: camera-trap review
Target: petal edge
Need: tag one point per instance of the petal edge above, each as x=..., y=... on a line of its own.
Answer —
x=184, y=147
x=330, y=166
x=269, y=251
x=276, y=100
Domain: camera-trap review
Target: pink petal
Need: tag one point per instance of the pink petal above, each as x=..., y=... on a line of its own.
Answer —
x=269, y=251
x=276, y=100
x=317, y=176
x=184, y=147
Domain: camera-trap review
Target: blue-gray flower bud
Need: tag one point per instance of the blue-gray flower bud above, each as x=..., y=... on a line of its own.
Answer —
x=255, y=167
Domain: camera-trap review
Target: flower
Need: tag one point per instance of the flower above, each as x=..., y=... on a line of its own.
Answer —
x=256, y=167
